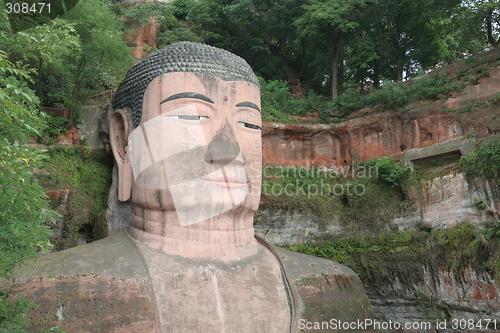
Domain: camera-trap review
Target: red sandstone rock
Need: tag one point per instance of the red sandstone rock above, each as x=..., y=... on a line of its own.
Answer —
x=360, y=139
x=389, y=133
x=90, y=303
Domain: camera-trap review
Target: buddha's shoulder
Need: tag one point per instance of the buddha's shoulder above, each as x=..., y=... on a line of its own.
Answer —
x=115, y=256
x=96, y=287
x=300, y=265
x=326, y=289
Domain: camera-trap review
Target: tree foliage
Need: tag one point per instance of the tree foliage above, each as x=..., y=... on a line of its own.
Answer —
x=23, y=208
x=477, y=22
x=323, y=45
x=75, y=56
x=42, y=48
x=329, y=21
x=160, y=15
x=103, y=58
x=386, y=170
x=398, y=38
x=327, y=45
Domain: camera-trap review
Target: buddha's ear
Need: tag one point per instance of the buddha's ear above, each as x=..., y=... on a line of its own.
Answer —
x=120, y=126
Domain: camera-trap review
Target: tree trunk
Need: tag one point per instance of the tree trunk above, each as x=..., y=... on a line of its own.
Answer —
x=376, y=76
x=399, y=68
x=336, y=57
x=340, y=83
x=489, y=30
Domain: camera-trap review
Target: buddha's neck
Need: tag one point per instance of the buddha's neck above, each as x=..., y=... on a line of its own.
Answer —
x=225, y=237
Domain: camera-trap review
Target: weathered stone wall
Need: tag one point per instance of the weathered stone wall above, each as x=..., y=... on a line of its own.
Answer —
x=445, y=197
x=94, y=127
x=285, y=227
x=440, y=297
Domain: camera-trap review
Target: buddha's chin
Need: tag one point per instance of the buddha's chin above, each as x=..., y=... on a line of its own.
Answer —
x=200, y=203
x=198, y=200
x=234, y=221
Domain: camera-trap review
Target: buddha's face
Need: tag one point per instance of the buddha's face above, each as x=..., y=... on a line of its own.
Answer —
x=197, y=150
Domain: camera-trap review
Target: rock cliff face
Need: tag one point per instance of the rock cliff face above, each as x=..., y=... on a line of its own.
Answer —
x=440, y=302
x=392, y=133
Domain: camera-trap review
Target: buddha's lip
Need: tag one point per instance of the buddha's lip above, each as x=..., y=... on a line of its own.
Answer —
x=226, y=182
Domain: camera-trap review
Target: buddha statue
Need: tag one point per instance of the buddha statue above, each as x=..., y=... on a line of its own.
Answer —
x=186, y=137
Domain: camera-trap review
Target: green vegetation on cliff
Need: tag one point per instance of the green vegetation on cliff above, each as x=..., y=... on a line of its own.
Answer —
x=362, y=198
x=375, y=258
x=453, y=248
x=411, y=258
x=279, y=105
x=87, y=174
x=484, y=162
x=402, y=263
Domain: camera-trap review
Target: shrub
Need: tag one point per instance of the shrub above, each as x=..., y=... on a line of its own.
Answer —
x=55, y=126
x=483, y=162
x=278, y=104
x=388, y=171
x=402, y=254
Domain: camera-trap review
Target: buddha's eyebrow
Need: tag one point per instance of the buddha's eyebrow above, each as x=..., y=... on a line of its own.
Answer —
x=188, y=95
x=248, y=105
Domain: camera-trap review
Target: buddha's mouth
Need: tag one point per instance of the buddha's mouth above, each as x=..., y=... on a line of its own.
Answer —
x=226, y=182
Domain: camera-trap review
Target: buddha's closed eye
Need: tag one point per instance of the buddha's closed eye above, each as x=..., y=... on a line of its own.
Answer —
x=186, y=117
x=189, y=117
x=248, y=125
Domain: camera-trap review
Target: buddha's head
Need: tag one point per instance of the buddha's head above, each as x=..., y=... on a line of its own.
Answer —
x=186, y=135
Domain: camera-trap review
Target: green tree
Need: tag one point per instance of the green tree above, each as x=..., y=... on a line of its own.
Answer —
x=209, y=20
x=260, y=31
x=164, y=17
x=103, y=59
x=399, y=38
x=23, y=206
x=75, y=56
x=386, y=170
x=34, y=13
x=328, y=21
x=477, y=22
x=484, y=162
x=41, y=48
x=491, y=14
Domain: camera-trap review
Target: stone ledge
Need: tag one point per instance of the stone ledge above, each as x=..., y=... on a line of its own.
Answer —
x=462, y=146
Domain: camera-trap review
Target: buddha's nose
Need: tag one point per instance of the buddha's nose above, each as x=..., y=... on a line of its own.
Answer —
x=224, y=147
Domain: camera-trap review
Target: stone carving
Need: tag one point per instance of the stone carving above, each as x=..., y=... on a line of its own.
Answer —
x=186, y=136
